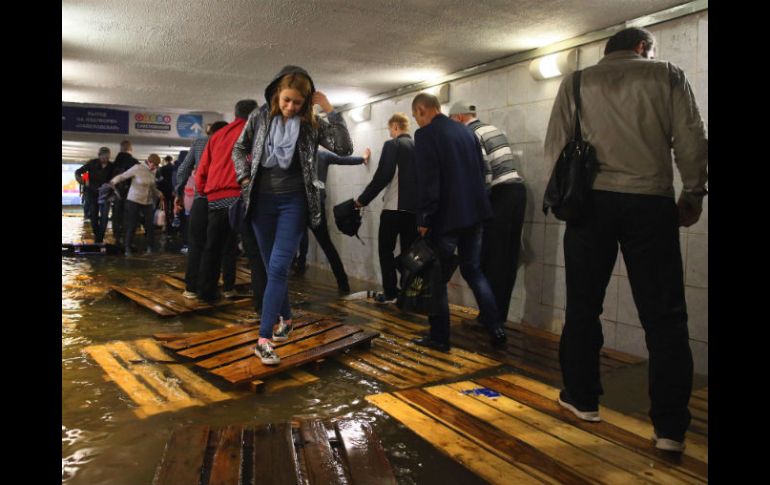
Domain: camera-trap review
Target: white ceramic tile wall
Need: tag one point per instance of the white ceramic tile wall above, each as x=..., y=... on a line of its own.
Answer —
x=697, y=269
x=700, y=356
x=629, y=338
x=520, y=106
x=610, y=304
x=609, y=329
x=698, y=313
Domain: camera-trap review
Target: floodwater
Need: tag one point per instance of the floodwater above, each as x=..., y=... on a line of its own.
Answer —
x=104, y=442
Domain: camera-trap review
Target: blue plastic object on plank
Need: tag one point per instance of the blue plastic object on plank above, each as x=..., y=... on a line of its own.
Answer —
x=482, y=391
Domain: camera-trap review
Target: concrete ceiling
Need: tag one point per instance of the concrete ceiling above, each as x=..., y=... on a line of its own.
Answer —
x=205, y=55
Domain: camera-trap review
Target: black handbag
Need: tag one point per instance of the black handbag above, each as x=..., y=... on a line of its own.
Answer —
x=347, y=218
x=419, y=255
x=569, y=188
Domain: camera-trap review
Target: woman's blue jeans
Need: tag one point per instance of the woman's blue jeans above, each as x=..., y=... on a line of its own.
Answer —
x=278, y=222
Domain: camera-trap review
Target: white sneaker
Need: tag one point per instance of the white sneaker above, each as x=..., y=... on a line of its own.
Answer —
x=267, y=354
x=667, y=444
x=190, y=295
x=229, y=294
x=586, y=414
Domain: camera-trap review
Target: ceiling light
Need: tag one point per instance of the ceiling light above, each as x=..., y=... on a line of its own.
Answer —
x=553, y=65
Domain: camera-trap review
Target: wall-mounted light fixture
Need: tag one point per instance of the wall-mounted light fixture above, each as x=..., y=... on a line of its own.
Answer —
x=441, y=92
x=554, y=65
x=362, y=113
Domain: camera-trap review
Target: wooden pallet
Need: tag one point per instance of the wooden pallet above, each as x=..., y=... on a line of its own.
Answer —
x=152, y=378
x=396, y=360
x=510, y=429
x=306, y=451
x=529, y=349
x=157, y=383
x=176, y=280
x=89, y=249
x=229, y=352
x=167, y=302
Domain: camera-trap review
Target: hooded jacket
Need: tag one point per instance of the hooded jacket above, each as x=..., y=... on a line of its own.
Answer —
x=247, y=151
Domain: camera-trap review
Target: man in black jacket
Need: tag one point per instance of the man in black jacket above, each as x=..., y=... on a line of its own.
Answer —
x=99, y=172
x=452, y=203
x=399, y=204
x=123, y=161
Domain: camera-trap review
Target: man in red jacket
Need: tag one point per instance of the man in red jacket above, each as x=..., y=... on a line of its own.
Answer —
x=215, y=178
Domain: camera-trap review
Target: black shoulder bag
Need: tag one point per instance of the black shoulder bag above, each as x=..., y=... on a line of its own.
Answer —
x=569, y=188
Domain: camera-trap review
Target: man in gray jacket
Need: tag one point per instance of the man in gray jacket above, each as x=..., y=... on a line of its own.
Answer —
x=634, y=111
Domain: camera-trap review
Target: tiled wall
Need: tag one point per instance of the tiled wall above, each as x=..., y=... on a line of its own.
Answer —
x=520, y=106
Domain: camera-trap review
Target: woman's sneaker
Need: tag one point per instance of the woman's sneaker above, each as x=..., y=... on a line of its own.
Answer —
x=266, y=353
x=284, y=329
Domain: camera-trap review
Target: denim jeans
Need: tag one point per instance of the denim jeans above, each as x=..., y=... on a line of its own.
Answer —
x=646, y=226
x=468, y=244
x=99, y=216
x=278, y=221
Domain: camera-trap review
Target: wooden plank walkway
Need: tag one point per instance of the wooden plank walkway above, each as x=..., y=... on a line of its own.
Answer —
x=395, y=360
x=89, y=249
x=229, y=352
x=157, y=383
x=510, y=429
x=168, y=302
x=308, y=451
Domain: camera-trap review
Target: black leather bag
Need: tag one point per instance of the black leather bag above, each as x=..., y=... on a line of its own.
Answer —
x=569, y=189
x=347, y=218
x=418, y=257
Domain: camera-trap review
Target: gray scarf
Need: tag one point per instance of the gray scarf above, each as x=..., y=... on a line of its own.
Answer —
x=281, y=142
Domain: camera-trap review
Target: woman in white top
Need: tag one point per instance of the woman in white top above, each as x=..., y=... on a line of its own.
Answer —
x=140, y=200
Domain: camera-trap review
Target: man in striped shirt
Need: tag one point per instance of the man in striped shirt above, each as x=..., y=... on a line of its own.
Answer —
x=502, y=234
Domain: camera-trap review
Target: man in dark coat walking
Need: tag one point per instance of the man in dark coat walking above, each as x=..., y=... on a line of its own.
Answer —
x=451, y=205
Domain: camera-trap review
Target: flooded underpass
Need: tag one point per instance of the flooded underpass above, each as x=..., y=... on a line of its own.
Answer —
x=106, y=439
x=104, y=442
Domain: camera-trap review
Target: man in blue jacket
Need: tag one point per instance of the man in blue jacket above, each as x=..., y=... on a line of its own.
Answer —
x=451, y=205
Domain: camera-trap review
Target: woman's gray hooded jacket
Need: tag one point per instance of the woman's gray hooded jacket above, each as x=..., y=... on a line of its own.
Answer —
x=332, y=135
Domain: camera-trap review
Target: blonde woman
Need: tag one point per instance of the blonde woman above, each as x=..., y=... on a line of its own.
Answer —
x=275, y=164
x=140, y=200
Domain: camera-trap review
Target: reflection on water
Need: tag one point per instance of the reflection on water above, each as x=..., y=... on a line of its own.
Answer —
x=103, y=442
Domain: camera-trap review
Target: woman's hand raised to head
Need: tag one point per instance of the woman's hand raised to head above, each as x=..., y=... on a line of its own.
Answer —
x=320, y=99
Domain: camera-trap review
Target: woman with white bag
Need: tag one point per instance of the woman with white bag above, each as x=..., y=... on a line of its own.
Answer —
x=140, y=200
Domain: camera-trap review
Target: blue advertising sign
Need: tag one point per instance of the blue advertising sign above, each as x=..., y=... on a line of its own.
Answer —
x=189, y=126
x=94, y=120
